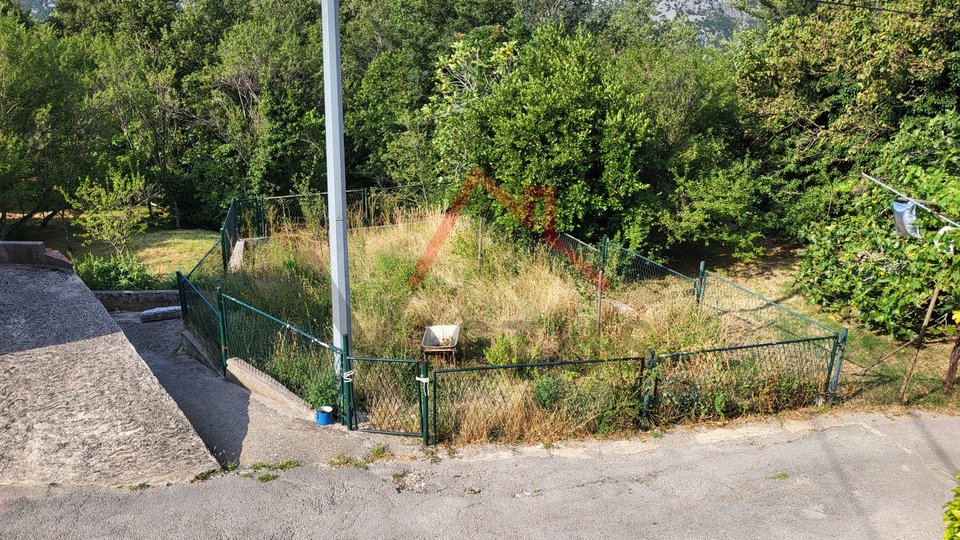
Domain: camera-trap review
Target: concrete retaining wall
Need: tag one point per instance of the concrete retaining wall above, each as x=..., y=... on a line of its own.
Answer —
x=32, y=254
x=258, y=382
x=236, y=259
x=194, y=347
x=242, y=373
x=137, y=300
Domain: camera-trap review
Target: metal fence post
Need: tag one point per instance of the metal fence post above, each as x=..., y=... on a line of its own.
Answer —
x=263, y=217
x=603, y=265
x=434, y=412
x=367, y=215
x=347, y=371
x=424, y=379
x=223, y=249
x=222, y=320
x=701, y=282
x=180, y=295
x=648, y=385
x=836, y=361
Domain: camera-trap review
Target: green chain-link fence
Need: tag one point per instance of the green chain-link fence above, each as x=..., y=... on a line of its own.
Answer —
x=762, y=319
x=367, y=207
x=541, y=401
x=202, y=319
x=299, y=361
x=207, y=274
x=386, y=396
x=746, y=354
x=734, y=381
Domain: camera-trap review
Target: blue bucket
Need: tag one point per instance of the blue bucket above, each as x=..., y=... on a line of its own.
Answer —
x=324, y=416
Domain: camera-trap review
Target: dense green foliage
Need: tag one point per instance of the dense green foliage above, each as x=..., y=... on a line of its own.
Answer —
x=111, y=211
x=951, y=516
x=114, y=273
x=649, y=135
x=858, y=263
x=883, y=101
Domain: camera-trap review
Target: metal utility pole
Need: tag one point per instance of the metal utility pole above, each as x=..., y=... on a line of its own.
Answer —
x=336, y=176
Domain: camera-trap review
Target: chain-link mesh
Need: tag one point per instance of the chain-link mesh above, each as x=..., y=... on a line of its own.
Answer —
x=734, y=381
x=202, y=319
x=634, y=282
x=761, y=320
x=404, y=203
x=230, y=231
x=386, y=395
x=300, y=362
x=207, y=275
x=581, y=257
x=293, y=213
x=244, y=219
x=538, y=401
x=368, y=207
x=874, y=372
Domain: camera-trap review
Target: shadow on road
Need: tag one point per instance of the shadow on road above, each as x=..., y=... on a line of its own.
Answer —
x=935, y=444
x=846, y=485
x=217, y=409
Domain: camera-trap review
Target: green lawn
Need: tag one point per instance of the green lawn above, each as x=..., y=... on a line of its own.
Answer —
x=163, y=250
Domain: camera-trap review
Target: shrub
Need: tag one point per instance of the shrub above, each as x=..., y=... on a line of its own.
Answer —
x=548, y=392
x=322, y=390
x=117, y=272
x=502, y=351
x=952, y=516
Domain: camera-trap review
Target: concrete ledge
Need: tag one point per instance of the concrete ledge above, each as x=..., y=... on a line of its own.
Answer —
x=236, y=258
x=195, y=348
x=32, y=254
x=242, y=373
x=160, y=314
x=258, y=382
x=137, y=300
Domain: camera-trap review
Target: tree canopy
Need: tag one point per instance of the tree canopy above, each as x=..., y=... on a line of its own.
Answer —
x=652, y=134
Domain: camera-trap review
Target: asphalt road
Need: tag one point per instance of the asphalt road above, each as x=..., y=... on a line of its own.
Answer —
x=849, y=476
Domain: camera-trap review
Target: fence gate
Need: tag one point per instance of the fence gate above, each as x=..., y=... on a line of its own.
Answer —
x=388, y=396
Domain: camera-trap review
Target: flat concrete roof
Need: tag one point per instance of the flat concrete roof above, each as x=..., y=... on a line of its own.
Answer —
x=78, y=405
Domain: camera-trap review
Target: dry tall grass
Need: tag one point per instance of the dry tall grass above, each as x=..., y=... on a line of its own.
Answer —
x=515, y=304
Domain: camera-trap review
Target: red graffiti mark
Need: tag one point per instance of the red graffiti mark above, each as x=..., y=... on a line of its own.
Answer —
x=525, y=212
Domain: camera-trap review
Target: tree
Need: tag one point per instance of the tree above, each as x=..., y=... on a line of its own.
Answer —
x=145, y=18
x=12, y=8
x=828, y=90
x=137, y=92
x=552, y=112
x=45, y=142
x=708, y=186
x=113, y=210
x=263, y=101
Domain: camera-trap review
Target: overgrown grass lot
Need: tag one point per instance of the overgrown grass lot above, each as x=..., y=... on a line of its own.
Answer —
x=516, y=304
